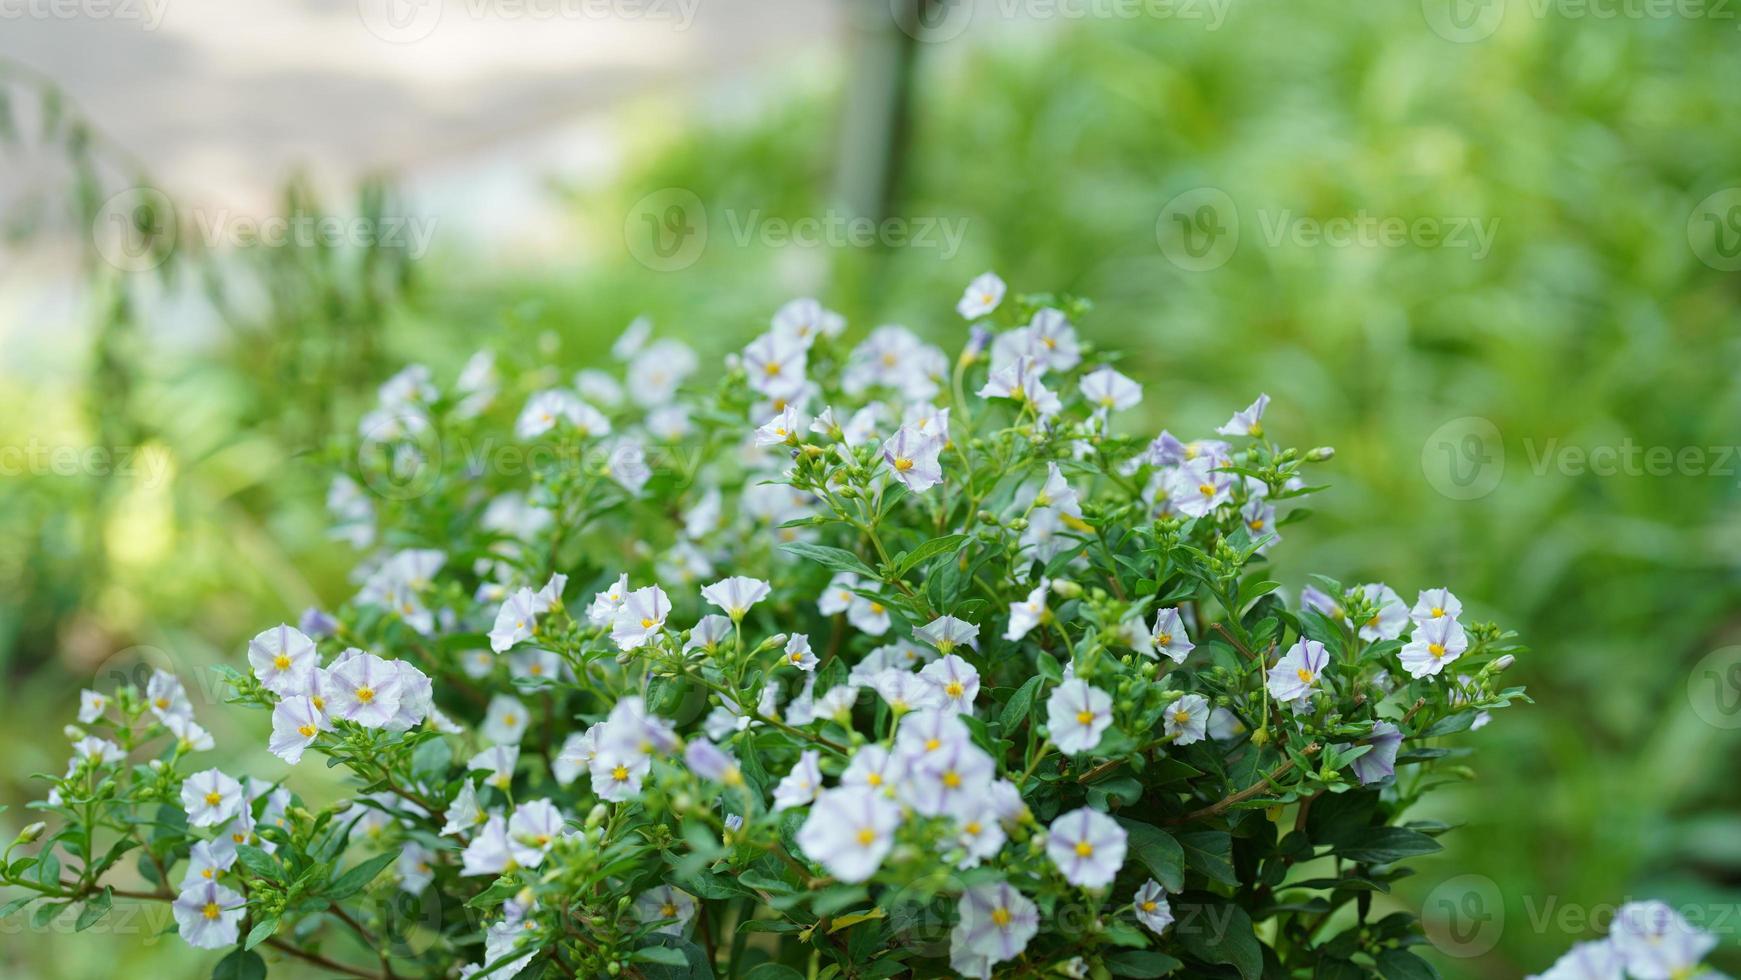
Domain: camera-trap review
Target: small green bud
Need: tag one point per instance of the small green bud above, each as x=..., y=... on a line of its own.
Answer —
x=31, y=833
x=1322, y=454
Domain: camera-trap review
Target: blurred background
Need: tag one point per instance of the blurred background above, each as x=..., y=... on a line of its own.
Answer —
x=1490, y=250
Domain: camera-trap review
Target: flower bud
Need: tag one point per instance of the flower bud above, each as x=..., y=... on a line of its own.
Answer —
x=1322, y=454
x=596, y=816
x=1063, y=588
x=29, y=834
x=1260, y=737
x=1501, y=665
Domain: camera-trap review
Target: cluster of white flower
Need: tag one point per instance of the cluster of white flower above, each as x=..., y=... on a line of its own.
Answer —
x=1036, y=647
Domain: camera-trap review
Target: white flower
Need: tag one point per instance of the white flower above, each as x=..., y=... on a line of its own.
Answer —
x=499, y=761
x=946, y=633
x=955, y=679
x=1434, y=644
x=603, y=610
x=296, y=722
x=1087, y=846
x=801, y=784
x=415, y=868
x=981, y=297
x=1077, y=714
x=533, y=828
x=952, y=779
x=1248, y=422
x=838, y=596
x=546, y=408
x=575, y=756
x=797, y=653
x=1295, y=675
x=91, y=706
x=775, y=364
x=673, y=907
x=736, y=595
x=165, y=695
x=707, y=634
x=980, y=834
x=1657, y=943
x=1028, y=613
x=464, y=813
x=505, y=721
x=208, y=859
x=849, y=831
x=1596, y=960
x=874, y=767
x=1020, y=382
x=996, y=921
x=912, y=457
x=1109, y=390
x=487, y=854
x=1392, y=616
x=208, y=915
x=1435, y=604
x=364, y=689
x=100, y=749
x=1187, y=719
x=617, y=773
x=903, y=690
x=1168, y=637
x=783, y=429
x=656, y=372
x=641, y=617
x=804, y=320
x=210, y=798
x=189, y=735
x=515, y=621
x=632, y=339
x=1151, y=907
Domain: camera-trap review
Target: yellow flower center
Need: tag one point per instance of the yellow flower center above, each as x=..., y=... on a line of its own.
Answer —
x=281, y=662
x=365, y=694
x=866, y=837
x=667, y=911
x=1084, y=849
x=211, y=911
x=903, y=464
x=1436, y=649
x=932, y=744
x=772, y=368
x=1163, y=639
x=214, y=798
x=1437, y=612
x=952, y=779
x=319, y=702
x=646, y=624
x=1206, y=489
x=511, y=719
x=1001, y=916
x=306, y=731
x=877, y=608
x=620, y=774
x=208, y=873
x=874, y=779
x=1150, y=906
x=1084, y=717
x=972, y=828
x=1304, y=675
x=1182, y=717
x=954, y=689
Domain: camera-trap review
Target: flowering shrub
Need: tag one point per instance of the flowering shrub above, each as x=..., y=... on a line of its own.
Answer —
x=860, y=662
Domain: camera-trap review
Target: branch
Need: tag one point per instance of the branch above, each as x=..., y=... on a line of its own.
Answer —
x=1227, y=802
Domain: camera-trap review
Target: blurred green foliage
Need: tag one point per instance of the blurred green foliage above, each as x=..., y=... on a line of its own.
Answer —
x=1588, y=143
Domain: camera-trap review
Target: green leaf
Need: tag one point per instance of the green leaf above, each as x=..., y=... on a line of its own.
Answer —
x=1210, y=853
x=1158, y=851
x=838, y=559
x=1141, y=963
x=356, y=879
x=928, y=550
x=1450, y=724
x=773, y=971
x=1220, y=933
x=95, y=908
x=1400, y=964
x=261, y=932
x=664, y=955
x=259, y=863
x=1383, y=845
x=241, y=964
x=1020, y=703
